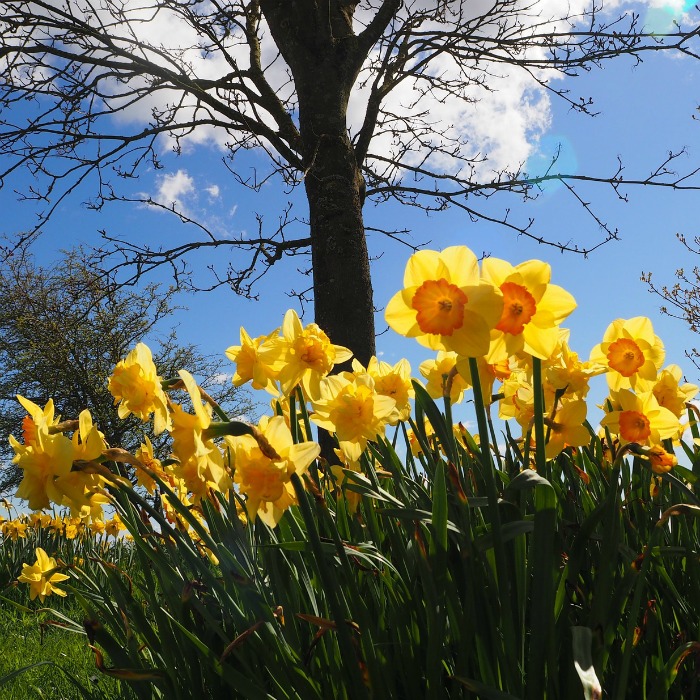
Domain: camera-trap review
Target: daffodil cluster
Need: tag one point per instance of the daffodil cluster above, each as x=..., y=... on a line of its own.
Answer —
x=505, y=317
x=65, y=526
x=496, y=319
x=647, y=403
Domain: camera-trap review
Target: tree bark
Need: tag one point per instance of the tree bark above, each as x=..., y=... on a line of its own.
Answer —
x=341, y=273
x=319, y=46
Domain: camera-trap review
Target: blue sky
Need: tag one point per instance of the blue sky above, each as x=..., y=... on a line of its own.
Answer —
x=645, y=111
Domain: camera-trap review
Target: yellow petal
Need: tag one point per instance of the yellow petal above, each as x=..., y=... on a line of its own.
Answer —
x=462, y=264
x=496, y=271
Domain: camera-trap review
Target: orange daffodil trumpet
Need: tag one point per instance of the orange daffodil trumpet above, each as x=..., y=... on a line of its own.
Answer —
x=632, y=353
x=444, y=304
x=533, y=309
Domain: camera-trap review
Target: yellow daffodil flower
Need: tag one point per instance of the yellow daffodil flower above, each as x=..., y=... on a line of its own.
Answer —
x=351, y=409
x=488, y=374
x=145, y=456
x=137, y=389
x=42, y=576
x=660, y=460
x=567, y=428
x=566, y=373
x=302, y=355
x=200, y=460
x=632, y=353
x=14, y=529
x=47, y=458
x=114, y=526
x=353, y=498
x=671, y=393
x=533, y=309
x=250, y=365
x=393, y=381
x=264, y=477
x=518, y=399
x=414, y=444
x=444, y=304
x=437, y=372
x=639, y=418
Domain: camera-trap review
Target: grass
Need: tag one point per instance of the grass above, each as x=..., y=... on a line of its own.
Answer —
x=29, y=639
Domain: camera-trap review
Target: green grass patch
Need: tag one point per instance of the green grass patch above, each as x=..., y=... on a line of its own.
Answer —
x=52, y=656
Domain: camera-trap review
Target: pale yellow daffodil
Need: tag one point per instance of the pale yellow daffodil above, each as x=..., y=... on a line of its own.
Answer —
x=301, y=355
x=264, y=477
x=137, y=389
x=351, y=409
x=42, y=576
x=439, y=371
x=391, y=380
x=250, y=365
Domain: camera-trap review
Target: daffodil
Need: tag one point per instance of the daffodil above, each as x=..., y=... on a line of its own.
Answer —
x=264, y=476
x=391, y=380
x=302, y=355
x=518, y=399
x=14, y=529
x=489, y=373
x=567, y=374
x=660, y=460
x=533, y=308
x=83, y=490
x=200, y=460
x=37, y=419
x=671, y=392
x=441, y=371
x=414, y=443
x=250, y=365
x=42, y=576
x=444, y=304
x=137, y=389
x=48, y=457
x=114, y=526
x=353, y=498
x=145, y=458
x=567, y=428
x=351, y=409
x=632, y=352
x=639, y=418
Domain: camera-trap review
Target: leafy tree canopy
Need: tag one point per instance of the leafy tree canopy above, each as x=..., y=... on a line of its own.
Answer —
x=63, y=328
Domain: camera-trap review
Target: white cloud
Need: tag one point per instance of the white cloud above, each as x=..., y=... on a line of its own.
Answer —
x=173, y=188
x=221, y=378
x=213, y=191
x=499, y=123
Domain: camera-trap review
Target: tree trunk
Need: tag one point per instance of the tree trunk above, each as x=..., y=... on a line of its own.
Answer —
x=341, y=274
x=320, y=48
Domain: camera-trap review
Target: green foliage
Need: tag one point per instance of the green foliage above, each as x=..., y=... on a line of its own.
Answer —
x=452, y=579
